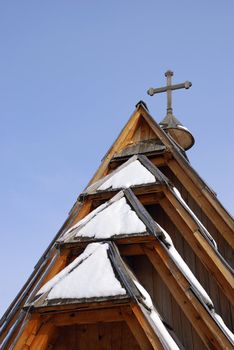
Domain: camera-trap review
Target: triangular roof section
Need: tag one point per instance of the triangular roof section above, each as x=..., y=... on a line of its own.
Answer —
x=99, y=274
x=136, y=171
x=122, y=216
x=92, y=276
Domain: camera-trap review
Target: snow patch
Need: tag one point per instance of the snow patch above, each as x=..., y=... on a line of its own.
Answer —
x=116, y=219
x=180, y=263
x=88, y=276
x=90, y=249
x=208, y=235
x=225, y=329
x=197, y=287
x=160, y=329
x=133, y=174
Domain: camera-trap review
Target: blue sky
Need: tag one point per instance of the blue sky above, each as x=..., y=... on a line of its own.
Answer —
x=71, y=73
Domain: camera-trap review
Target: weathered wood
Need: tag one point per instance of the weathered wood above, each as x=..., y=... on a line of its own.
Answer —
x=199, y=318
x=29, y=333
x=158, y=160
x=73, y=307
x=190, y=232
x=113, y=314
x=150, y=333
x=136, y=329
x=209, y=205
x=58, y=266
x=138, y=190
x=130, y=249
x=42, y=337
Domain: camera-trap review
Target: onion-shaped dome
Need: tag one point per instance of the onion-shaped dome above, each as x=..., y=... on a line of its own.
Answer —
x=177, y=131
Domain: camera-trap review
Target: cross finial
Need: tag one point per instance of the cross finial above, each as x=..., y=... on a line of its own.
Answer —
x=168, y=89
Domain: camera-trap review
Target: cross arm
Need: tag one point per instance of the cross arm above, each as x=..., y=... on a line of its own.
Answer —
x=185, y=85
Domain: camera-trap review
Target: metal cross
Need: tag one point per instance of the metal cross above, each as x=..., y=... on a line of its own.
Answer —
x=168, y=89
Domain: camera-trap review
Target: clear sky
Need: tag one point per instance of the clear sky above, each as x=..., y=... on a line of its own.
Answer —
x=71, y=73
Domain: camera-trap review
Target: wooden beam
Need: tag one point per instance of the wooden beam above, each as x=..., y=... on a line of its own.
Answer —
x=136, y=329
x=42, y=337
x=148, y=330
x=201, y=321
x=113, y=314
x=219, y=217
x=130, y=249
x=51, y=310
x=190, y=232
x=158, y=160
x=28, y=333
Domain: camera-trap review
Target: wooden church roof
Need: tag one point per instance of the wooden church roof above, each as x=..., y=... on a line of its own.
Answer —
x=146, y=251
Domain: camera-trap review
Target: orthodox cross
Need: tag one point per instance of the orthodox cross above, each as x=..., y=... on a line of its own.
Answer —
x=168, y=89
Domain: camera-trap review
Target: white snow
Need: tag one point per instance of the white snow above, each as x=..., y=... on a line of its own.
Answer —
x=131, y=175
x=180, y=263
x=211, y=239
x=160, y=329
x=195, y=284
x=225, y=329
x=90, y=249
x=116, y=219
x=90, y=275
x=84, y=220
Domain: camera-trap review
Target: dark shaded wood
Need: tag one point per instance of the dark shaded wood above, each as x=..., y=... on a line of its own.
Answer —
x=137, y=330
x=202, y=322
x=99, y=336
x=164, y=302
x=199, y=269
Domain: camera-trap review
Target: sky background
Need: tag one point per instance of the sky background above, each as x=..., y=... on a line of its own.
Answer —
x=71, y=73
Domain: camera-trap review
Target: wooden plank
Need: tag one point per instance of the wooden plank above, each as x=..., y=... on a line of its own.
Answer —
x=190, y=231
x=158, y=160
x=58, y=266
x=116, y=336
x=212, y=209
x=137, y=329
x=149, y=332
x=41, y=338
x=87, y=317
x=179, y=287
x=29, y=332
x=105, y=302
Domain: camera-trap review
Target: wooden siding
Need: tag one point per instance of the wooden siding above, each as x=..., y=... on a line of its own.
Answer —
x=165, y=303
x=222, y=305
x=99, y=336
x=223, y=246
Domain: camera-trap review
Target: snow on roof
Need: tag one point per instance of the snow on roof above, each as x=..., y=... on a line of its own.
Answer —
x=89, y=275
x=155, y=319
x=131, y=175
x=136, y=171
x=204, y=230
x=181, y=264
x=110, y=219
x=195, y=284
